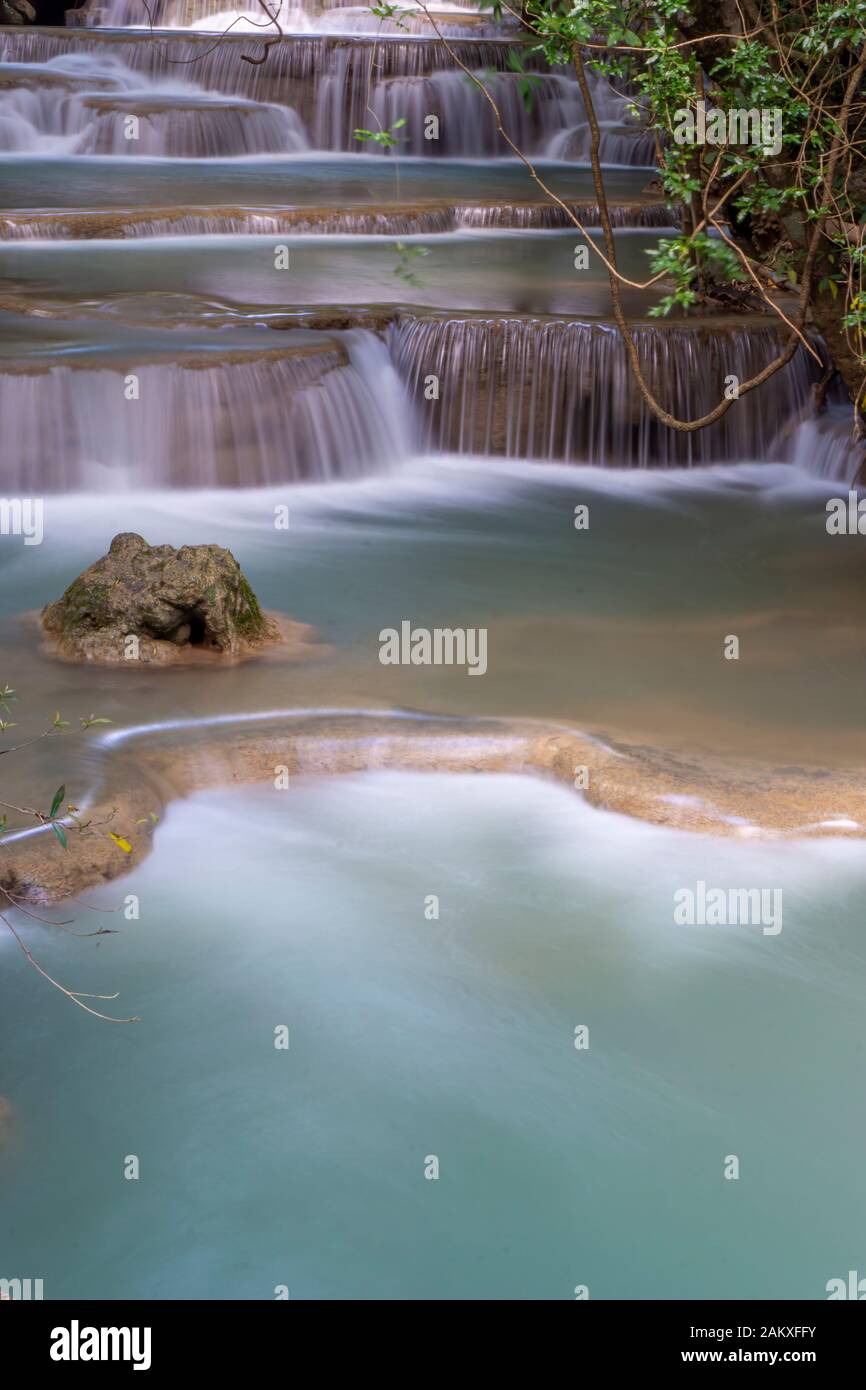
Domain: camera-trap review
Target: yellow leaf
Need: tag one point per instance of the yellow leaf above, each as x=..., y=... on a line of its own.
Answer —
x=120, y=842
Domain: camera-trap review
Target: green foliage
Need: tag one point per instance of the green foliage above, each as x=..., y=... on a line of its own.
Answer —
x=682, y=259
x=56, y=816
x=392, y=12
x=408, y=256
x=787, y=57
x=386, y=139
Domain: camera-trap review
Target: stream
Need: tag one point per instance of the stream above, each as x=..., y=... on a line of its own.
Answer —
x=282, y=295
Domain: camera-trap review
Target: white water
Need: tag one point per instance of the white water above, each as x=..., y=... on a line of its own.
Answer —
x=413, y=1036
x=88, y=107
x=559, y=390
x=266, y=420
x=825, y=446
x=349, y=87
x=317, y=16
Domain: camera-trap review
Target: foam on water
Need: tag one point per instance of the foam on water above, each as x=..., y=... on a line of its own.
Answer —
x=335, y=412
x=287, y=16
x=172, y=117
x=338, y=87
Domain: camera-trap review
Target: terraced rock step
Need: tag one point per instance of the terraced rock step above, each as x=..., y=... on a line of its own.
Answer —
x=337, y=85
x=334, y=392
x=221, y=415
x=33, y=76
x=100, y=106
x=296, y=58
x=189, y=127
x=297, y=16
x=389, y=220
x=559, y=389
x=151, y=770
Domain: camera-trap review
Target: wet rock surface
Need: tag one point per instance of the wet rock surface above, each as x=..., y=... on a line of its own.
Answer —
x=157, y=605
x=703, y=796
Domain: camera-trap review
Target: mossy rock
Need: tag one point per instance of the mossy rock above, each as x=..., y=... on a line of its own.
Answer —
x=174, y=602
x=16, y=12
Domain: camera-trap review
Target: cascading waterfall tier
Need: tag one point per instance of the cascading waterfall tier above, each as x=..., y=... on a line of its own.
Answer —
x=553, y=123
x=95, y=104
x=550, y=216
x=294, y=16
x=825, y=446
x=333, y=412
x=339, y=85
x=297, y=58
x=82, y=226
x=224, y=222
x=509, y=384
x=188, y=127
x=560, y=390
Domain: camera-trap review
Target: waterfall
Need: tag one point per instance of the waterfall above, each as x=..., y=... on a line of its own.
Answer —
x=825, y=447
x=623, y=141
x=294, y=17
x=238, y=222
x=467, y=124
x=357, y=222
x=563, y=391
x=295, y=64
x=337, y=85
x=618, y=145
x=333, y=412
x=521, y=388
x=87, y=101
x=550, y=216
x=548, y=125
x=185, y=128
x=510, y=384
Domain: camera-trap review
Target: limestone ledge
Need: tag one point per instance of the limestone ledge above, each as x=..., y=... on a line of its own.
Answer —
x=147, y=769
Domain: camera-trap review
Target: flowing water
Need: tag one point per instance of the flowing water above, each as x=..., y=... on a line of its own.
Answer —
x=335, y=86
x=242, y=309
x=316, y=16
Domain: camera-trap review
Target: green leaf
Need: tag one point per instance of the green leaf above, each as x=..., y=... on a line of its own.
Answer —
x=56, y=803
x=60, y=833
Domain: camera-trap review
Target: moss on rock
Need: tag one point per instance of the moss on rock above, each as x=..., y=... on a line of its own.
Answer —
x=169, y=600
